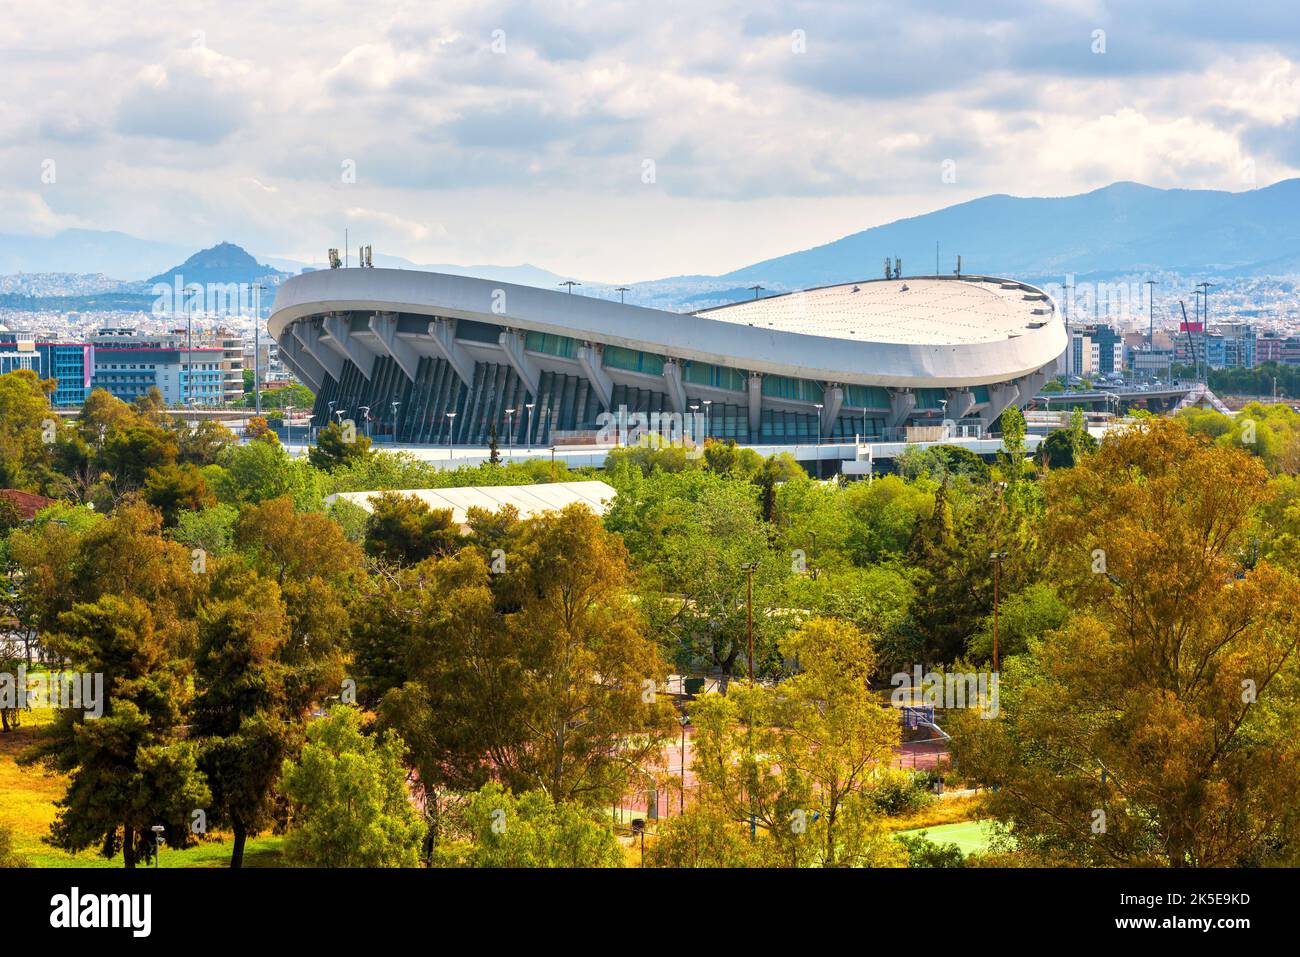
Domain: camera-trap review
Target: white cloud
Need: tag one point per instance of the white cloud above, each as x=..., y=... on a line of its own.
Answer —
x=536, y=154
x=28, y=213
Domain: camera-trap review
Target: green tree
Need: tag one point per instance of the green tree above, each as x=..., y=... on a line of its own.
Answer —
x=705, y=836
x=128, y=454
x=1154, y=728
x=404, y=530
x=25, y=424
x=318, y=572
x=241, y=714
x=258, y=471
x=499, y=829
x=211, y=529
x=1011, y=458
x=201, y=443
x=173, y=489
x=335, y=447
x=349, y=799
x=799, y=759
x=130, y=767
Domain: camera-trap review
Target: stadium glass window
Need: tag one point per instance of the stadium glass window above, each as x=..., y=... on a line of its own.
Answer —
x=797, y=390
x=563, y=346
x=866, y=397
x=716, y=377
x=616, y=357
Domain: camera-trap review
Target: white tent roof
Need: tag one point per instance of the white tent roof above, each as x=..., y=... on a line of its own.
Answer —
x=528, y=499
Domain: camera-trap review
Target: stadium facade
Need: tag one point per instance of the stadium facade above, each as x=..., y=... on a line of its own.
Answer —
x=859, y=359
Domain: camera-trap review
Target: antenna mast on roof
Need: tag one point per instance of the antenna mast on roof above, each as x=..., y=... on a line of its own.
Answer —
x=958, y=272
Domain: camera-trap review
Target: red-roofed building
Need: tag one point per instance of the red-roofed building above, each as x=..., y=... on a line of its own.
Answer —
x=27, y=503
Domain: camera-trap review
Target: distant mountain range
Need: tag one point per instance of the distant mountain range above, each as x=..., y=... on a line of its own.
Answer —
x=1121, y=228
x=523, y=275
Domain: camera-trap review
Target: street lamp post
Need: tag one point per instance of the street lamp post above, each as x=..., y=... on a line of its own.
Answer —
x=681, y=808
x=528, y=426
x=395, y=405
x=157, y=843
x=451, y=426
x=510, y=431
x=707, y=403
x=749, y=568
x=288, y=424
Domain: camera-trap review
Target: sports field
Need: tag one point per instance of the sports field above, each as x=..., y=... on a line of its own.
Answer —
x=973, y=837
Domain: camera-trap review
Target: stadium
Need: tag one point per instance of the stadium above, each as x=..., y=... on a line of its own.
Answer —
x=427, y=358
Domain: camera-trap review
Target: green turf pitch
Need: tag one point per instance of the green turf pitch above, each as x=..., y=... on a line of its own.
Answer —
x=971, y=836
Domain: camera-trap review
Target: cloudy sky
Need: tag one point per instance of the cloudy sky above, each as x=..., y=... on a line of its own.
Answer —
x=617, y=141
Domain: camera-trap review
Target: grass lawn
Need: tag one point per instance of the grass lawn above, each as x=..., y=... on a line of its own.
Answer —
x=973, y=837
x=27, y=796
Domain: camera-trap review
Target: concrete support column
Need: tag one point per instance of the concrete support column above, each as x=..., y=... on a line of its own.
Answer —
x=384, y=326
x=443, y=333
x=339, y=328
x=512, y=342
x=960, y=402
x=673, y=385
x=901, y=404
x=1000, y=396
x=300, y=362
x=832, y=402
x=308, y=333
x=591, y=358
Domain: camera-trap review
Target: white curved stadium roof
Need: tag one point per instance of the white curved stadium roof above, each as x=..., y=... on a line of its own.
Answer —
x=925, y=332
x=920, y=311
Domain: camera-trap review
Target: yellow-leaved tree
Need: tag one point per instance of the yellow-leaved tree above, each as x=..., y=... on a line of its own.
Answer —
x=1158, y=727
